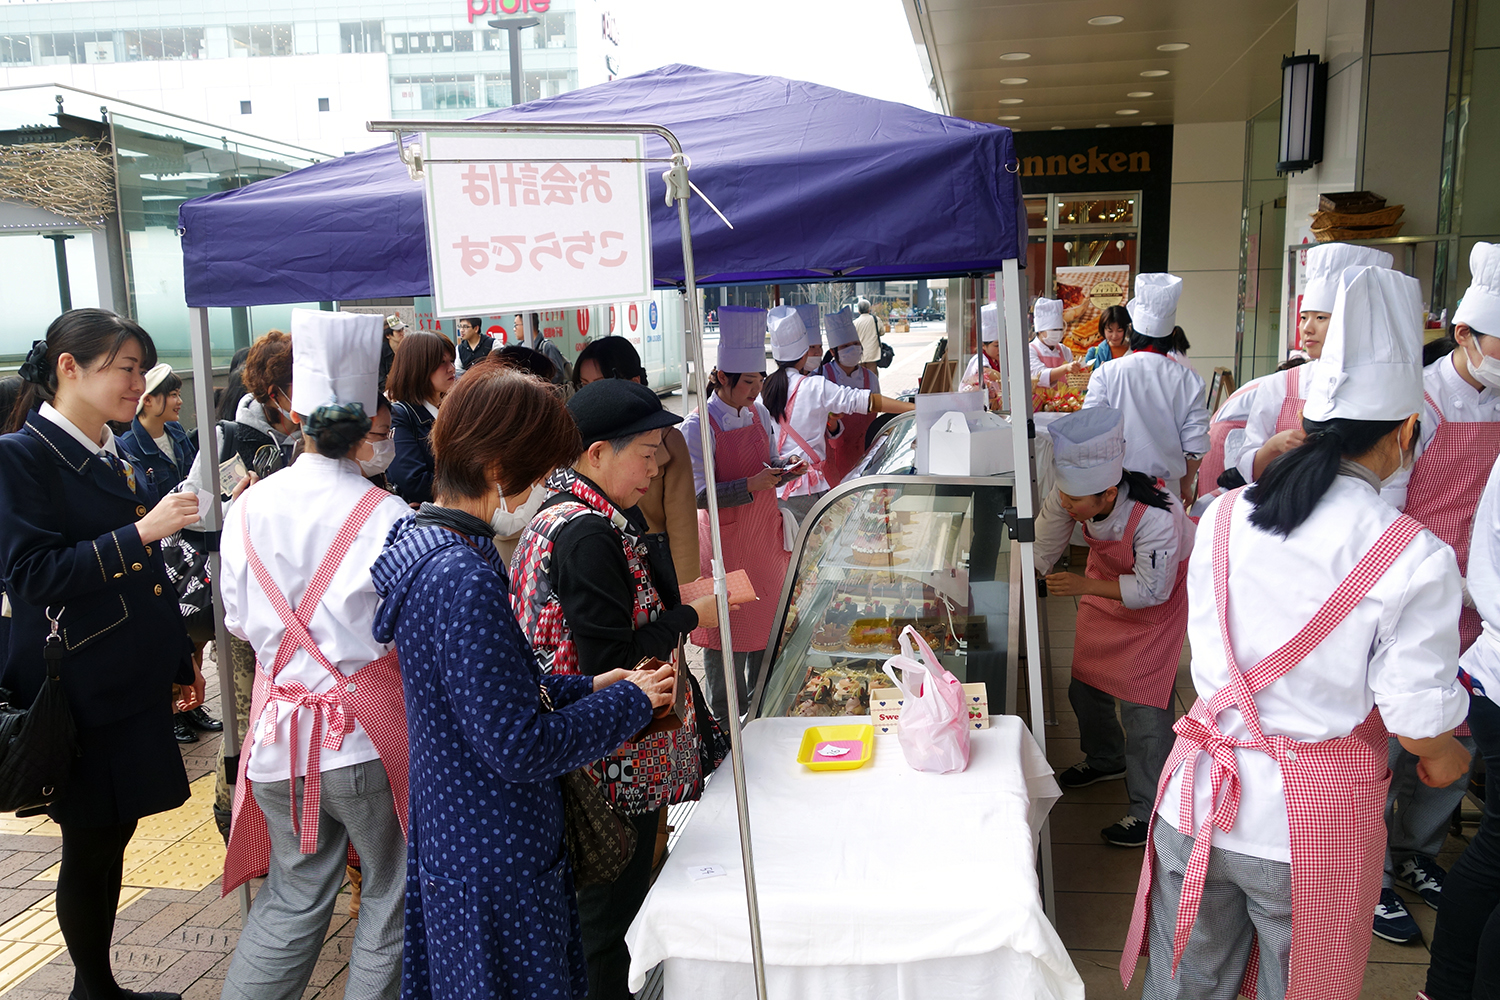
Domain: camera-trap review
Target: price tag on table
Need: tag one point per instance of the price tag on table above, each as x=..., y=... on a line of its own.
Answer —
x=700, y=872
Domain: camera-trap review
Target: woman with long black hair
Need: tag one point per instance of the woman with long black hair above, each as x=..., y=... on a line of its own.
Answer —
x=1320, y=617
x=80, y=534
x=1132, y=612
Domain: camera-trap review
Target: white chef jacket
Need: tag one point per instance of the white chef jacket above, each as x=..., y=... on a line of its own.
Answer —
x=1265, y=409
x=1398, y=649
x=1460, y=403
x=728, y=419
x=1162, y=539
x=1162, y=403
x=816, y=399
x=863, y=378
x=1482, y=660
x=973, y=370
x=294, y=516
x=1044, y=359
x=1237, y=406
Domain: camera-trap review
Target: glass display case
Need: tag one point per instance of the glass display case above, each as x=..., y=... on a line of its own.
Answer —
x=883, y=552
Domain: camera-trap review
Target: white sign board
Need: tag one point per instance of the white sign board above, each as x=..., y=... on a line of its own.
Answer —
x=561, y=222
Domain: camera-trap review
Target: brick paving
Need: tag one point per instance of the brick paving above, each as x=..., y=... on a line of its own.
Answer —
x=170, y=939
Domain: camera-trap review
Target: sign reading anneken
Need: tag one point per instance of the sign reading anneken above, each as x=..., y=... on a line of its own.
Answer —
x=561, y=222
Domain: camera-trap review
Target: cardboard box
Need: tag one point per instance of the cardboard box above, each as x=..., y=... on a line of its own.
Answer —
x=885, y=708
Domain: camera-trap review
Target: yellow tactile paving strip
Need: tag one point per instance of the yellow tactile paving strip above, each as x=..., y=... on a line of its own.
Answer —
x=180, y=849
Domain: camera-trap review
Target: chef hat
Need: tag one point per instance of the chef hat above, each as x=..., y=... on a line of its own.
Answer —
x=335, y=359
x=989, y=322
x=788, y=335
x=154, y=378
x=1088, y=450
x=1371, y=367
x=809, y=313
x=1046, y=314
x=1153, y=311
x=840, y=328
x=742, y=339
x=1325, y=262
x=1479, y=309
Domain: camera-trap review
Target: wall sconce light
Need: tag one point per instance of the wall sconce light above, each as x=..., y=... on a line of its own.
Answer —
x=1304, y=96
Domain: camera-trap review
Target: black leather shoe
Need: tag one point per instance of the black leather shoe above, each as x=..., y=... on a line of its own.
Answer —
x=182, y=730
x=200, y=720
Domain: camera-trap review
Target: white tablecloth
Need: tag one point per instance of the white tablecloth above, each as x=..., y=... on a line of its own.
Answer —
x=882, y=882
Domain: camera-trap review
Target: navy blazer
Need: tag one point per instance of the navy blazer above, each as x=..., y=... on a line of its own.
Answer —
x=68, y=542
x=163, y=472
x=412, y=468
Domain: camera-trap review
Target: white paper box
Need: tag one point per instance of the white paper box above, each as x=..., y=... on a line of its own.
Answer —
x=970, y=444
x=930, y=407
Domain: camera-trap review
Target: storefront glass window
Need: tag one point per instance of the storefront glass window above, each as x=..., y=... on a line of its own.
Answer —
x=1263, y=254
x=1094, y=211
x=1036, y=213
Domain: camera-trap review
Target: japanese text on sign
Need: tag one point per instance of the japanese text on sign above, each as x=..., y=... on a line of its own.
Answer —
x=535, y=221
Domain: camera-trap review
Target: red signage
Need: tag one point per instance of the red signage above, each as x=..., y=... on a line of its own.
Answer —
x=480, y=8
x=612, y=319
x=583, y=322
x=635, y=317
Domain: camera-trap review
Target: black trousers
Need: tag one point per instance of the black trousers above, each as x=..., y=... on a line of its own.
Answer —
x=88, y=893
x=1466, y=941
x=605, y=912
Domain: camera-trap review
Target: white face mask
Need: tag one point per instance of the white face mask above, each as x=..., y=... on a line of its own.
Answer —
x=1051, y=337
x=811, y=365
x=1487, y=371
x=850, y=355
x=510, y=522
x=385, y=451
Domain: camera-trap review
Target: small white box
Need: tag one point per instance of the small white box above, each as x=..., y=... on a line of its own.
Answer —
x=970, y=444
x=885, y=708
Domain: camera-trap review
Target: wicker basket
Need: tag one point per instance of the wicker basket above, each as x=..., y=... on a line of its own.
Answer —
x=1336, y=233
x=1079, y=382
x=1350, y=201
x=1381, y=217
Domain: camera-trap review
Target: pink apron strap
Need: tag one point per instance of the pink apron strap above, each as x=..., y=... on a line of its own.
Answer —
x=786, y=429
x=332, y=719
x=1293, y=383
x=1435, y=408
x=1204, y=732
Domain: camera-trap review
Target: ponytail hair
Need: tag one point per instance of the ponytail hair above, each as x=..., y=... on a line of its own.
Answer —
x=1141, y=487
x=1294, y=484
x=337, y=428
x=1174, y=342
x=774, y=390
x=92, y=336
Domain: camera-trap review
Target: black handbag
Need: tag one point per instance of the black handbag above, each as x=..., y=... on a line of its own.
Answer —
x=37, y=744
x=887, y=355
x=600, y=841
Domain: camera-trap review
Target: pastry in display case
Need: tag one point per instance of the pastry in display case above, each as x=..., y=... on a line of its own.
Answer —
x=881, y=554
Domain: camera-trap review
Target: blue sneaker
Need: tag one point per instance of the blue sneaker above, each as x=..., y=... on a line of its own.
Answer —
x=1393, y=921
x=1424, y=876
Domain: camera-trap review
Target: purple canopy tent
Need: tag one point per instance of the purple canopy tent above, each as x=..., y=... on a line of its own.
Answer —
x=818, y=183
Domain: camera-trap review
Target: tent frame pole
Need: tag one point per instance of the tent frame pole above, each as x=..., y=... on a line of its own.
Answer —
x=679, y=189
x=213, y=522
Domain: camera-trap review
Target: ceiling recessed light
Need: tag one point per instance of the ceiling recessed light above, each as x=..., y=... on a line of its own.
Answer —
x=1058, y=128
x=1128, y=111
x=1141, y=93
x=1102, y=125
x=1011, y=100
x=1105, y=19
x=1148, y=123
x=1015, y=56
x=1013, y=81
x=1010, y=118
x=1155, y=72
x=1172, y=47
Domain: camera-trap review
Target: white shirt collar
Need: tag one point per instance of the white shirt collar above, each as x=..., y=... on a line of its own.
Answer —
x=1456, y=387
x=431, y=408
x=51, y=413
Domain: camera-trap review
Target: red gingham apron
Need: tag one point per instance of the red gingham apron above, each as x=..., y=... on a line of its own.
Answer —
x=750, y=535
x=816, y=465
x=1213, y=464
x=1290, y=417
x=1335, y=795
x=372, y=695
x=846, y=450
x=1129, y=653
x=1445, y=487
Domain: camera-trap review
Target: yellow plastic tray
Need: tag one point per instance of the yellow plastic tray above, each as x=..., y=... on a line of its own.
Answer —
x=814, y=735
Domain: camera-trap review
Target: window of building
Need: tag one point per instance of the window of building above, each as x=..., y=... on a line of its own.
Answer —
x=15, y=49
x=244, y=107
x=362, y=36
x=260, y=39
x=322, y=104
x=435, y=93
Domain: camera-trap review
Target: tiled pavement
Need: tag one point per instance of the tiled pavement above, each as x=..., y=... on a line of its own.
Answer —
x=173, y=932
x=1096, y=883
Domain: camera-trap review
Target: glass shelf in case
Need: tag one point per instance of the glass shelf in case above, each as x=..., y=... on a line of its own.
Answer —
x=879, y=554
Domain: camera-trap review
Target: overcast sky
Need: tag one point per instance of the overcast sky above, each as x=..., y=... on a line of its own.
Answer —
x=862, y=46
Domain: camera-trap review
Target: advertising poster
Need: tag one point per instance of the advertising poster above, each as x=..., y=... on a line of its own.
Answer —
x=1085, y=293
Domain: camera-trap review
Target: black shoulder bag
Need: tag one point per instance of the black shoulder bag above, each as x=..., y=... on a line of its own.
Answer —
x=600, y=842
x=37, y=745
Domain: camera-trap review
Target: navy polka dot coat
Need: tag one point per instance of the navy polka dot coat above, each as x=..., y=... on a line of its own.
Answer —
x=490, y=910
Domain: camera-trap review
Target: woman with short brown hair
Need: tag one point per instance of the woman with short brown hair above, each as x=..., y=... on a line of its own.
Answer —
x=421, y=375
x=490, y=908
